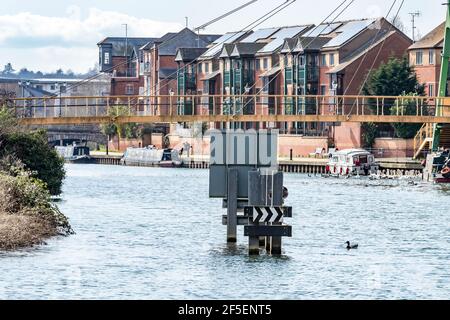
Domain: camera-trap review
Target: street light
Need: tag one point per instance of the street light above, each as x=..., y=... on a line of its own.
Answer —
x=60, y=87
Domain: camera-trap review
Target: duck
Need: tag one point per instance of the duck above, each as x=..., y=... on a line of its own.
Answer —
x=351, y=246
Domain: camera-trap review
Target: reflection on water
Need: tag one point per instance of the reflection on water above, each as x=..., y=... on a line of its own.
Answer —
x=153, y=234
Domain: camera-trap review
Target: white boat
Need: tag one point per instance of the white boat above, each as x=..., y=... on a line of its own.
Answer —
x=151, y=156
x=352, y=162
x=74, y=153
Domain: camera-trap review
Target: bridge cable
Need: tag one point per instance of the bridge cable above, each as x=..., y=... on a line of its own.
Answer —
x=290, y=52
x=376, y=58
x=252, y=25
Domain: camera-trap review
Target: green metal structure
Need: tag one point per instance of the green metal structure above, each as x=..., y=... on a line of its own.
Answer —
x=443, y=78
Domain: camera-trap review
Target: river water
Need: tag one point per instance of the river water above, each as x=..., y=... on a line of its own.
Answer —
x=145, y=233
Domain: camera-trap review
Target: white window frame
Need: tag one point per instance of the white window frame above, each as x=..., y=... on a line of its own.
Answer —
x=419, y=54
x=106, y=58
x=431, y=57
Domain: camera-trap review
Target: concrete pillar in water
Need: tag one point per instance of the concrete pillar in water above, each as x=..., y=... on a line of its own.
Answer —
x=275, y=244
x=232, y=204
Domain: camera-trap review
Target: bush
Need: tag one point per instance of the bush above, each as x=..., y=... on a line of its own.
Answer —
x=407, y=108
x=24, y=195
x=38, y=156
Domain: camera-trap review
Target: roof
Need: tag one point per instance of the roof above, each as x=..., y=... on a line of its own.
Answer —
x=37, y=93
x=289, y=45
x=211, y=76
x=186, y=38
x=119, y=44
x=348, y=31
x=360, y=52
x=434, y=39
x=242, y=49
x=309, y=43
x=167, y=73
x=216, y=49
x=227, y=50
x=271, y=72
x=189, y=54
x=277, y=39
x=352, y=151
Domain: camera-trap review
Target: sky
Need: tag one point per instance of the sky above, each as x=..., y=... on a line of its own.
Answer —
x=50, y=34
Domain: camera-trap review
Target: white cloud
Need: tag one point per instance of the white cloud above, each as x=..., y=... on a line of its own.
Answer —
x=41, y=42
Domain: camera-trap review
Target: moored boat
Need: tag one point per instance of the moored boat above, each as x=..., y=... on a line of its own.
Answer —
x=352, y=162
x=74, y=153
x=150, y=157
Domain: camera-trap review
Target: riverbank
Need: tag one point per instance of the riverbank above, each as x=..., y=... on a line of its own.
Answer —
x=27, y=215
x=21, y=231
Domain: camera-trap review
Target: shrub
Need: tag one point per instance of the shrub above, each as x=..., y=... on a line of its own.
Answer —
x=38, y=156
x=25, y=195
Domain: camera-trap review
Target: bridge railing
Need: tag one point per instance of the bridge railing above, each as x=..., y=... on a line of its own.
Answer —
x=212, y=105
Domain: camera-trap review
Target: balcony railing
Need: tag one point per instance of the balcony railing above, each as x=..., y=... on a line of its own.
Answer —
x=241, y=108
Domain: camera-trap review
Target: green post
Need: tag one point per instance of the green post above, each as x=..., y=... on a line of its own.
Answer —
x=443, y=79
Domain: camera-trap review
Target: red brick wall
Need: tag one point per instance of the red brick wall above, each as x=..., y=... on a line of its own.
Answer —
x=118, y=85
x=394, y=46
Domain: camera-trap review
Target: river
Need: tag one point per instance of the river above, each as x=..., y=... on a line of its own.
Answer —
x=144, y=233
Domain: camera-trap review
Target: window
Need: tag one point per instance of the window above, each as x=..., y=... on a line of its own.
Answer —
x=206, y=67
x=323, y=61
x=266, y=64
x=63, y=89
x=302, y=60
x=331, y=59
x=200, y=67
x=431, y=57
x=258, y=64
x=52, y=87
x=323, y=90
x=419, y=58
x=129, y=89
x=431, y=90
x=286, y=61
x=106, y=60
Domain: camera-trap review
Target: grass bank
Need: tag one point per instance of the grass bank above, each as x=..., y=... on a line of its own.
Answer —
x=27, y=215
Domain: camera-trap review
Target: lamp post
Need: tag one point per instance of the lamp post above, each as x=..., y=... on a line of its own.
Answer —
x=60, y=87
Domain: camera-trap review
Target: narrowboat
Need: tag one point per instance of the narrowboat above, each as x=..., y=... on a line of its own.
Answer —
x=74, y=154
x=352, y=162
x=151, y=157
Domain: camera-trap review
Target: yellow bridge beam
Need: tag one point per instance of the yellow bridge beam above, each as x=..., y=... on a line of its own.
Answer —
x=239, y=118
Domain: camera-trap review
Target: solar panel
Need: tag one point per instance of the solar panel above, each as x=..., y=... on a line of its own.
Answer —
x=348, y=31
x=260, y=34
x=323, y=29
x=225, y=39
x=279, y=37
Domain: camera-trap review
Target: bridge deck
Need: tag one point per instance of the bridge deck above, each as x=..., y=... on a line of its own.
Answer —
x=237, y=108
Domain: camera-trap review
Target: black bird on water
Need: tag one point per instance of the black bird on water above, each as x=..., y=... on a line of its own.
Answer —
x=351, y=246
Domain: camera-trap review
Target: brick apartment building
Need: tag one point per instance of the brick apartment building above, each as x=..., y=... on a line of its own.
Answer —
x=425, y=56
x=332, y=59
x=161, y=65
x=120, y=57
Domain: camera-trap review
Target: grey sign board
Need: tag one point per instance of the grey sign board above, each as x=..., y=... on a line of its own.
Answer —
x=245, y=151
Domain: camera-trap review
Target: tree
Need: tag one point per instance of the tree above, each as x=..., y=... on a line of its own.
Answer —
x=394, y=78
x=33, y=150
x=398, y=23
x=127, y=130
x=8, y=69
x=407, y=106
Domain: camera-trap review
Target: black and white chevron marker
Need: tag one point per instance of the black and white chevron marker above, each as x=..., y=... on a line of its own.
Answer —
x=267, y=215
